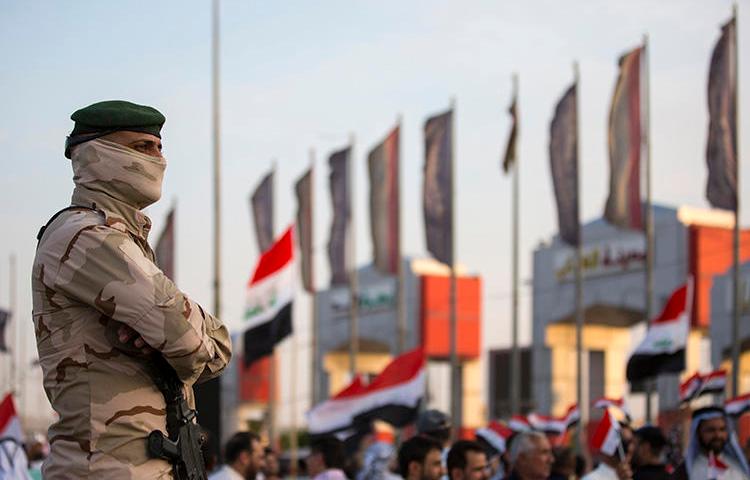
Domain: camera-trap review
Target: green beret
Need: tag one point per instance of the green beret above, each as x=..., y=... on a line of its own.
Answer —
x=103, y=118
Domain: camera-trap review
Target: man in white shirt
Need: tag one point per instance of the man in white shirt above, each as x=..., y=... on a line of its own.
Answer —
x=243, y=455
x=712, y=437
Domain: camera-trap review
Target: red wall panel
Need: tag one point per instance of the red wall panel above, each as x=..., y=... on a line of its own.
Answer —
x=435, y=316
x=254, y=381
x=711, y=253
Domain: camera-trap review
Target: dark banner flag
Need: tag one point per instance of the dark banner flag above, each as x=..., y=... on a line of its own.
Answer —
x=164, y=251
x=261, y=204
x=338, y=248
x=303, y=190
x=624, y=202
x=437, y=193
x=510, y=149
x=721, y=150
x=563, y=157
x=383, y=163
x=4, y=317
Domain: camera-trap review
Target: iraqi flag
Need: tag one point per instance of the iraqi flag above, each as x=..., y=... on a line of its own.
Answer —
x=555, y=425
x=738, y=405
x=268, y=304
x=13, y=462
x=393, y=396
x=689, y=388
x=496, y=435
x=606, y=438
x=716, y=467
x=519, y=424
x=714, y=382
x=619, y=403
x=663, y=348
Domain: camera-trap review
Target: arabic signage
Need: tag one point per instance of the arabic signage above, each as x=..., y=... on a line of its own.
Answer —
x=613, y=257
x=373, y=298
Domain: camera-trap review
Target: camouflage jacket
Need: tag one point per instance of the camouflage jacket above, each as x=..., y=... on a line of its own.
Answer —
x=94, y=269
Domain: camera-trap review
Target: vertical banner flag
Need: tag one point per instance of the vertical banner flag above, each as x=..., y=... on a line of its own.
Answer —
x=4, y=317
x=437, y=191
x=303, y=190
x=383, y=163
x=164, y=251
x=510, y=149
x=268, y=304
x=663, y=348
x=261, y=203
x=624, y=202
x=721, y=148
x=563, y=156
x=341, y=206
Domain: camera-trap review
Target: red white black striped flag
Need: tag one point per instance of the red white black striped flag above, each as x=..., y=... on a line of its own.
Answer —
x=697, y=385
x=663, y=348
x=393, y=396
x=618, y=403
x=13, y=461
x=606, y=438
x=268, y=304
x=496, y=435
x=738, y=405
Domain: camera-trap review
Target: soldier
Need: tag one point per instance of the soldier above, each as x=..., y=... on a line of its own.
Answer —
x=103, y=310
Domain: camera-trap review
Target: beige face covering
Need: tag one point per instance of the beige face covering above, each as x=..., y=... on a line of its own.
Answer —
x=119, y=171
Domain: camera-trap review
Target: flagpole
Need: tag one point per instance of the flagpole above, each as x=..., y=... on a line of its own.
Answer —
x=353, y=277
x=217, y=161
x=400, y=272
x=515, y=360
x=293, y=403
x=646, y=132
x=579, y=286
x=272, y=367
x=736, y=272
x=208, y=395
x=16, y=324
x=456, y=390
x=314, y=293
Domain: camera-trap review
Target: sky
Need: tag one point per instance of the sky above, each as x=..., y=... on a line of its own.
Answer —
x=298, y=75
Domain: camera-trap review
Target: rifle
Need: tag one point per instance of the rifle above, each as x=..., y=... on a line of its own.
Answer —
x=182, y=446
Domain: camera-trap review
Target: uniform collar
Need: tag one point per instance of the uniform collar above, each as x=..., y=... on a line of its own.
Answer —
x=115, y=211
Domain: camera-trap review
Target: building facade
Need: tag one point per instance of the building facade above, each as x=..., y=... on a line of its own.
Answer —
x=688, y=242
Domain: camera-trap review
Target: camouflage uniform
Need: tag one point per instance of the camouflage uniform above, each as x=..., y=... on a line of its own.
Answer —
x=93, y=272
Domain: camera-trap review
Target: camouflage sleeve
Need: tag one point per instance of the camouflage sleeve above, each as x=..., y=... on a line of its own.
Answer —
x=104, y=268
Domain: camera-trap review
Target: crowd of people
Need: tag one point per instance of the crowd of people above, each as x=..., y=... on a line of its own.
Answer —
x=644, y=453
